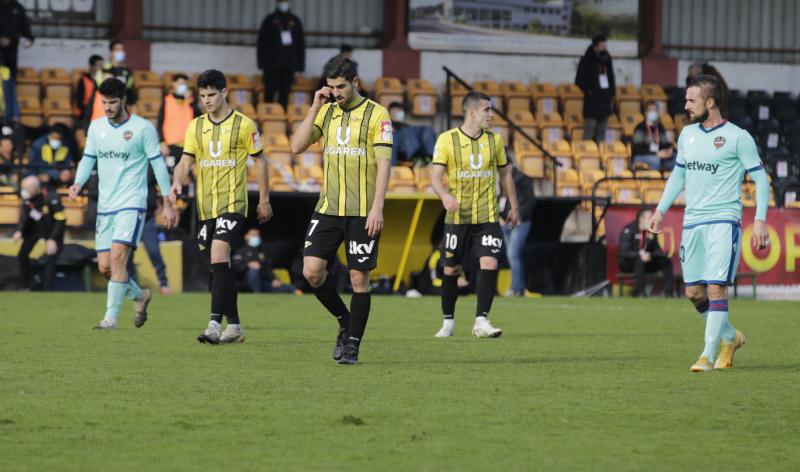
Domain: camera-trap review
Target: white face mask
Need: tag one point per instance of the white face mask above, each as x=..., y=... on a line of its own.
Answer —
x=652, y=116
x=181, y=89
x=283, y=6
x=54, y=143
x=25, y=195
x=119, y=56
x=255, y=241
x=399, y=116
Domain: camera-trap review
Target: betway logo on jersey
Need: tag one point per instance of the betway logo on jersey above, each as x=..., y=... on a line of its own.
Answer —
x=218, y=163
x=343, y=139
x=113, y=155
x=702, y=166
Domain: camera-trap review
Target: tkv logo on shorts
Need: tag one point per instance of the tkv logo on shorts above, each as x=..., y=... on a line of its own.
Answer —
x=356, y=248
x=490, y=241
x=702, y=166
x=224, y=225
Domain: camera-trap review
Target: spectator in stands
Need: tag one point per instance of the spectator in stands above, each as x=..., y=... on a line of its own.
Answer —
x=9, y=139
x=517, y=236
x=595, y=77
x=151, y=239
x=51, y=157
x=281, y=52
x=650, y=144
x=704, y=68
x=251, y=264
x=409, y=141
x=14, y=30
x=41, y=216
x=117, y=68
x=9, y=106
x=84, y=96
x=640, y=253
x=178, y=109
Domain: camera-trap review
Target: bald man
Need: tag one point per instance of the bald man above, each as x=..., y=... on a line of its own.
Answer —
x=41, y=217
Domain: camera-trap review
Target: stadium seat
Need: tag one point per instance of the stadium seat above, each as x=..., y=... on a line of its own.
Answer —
x=630, y=122
x=31, y=121
x=627, y=93
x=651, y=191
x=769, y=134
x=309, y=177
x=75, y=210
x=524, y=119
x=562, y=151
x=276, y=143
x=247, y=110
x=655, y=93
x=56, y=91
x=571, y=98
x=500, y=126
x=388, y=90
x=29, y=105
x=628, y=107
x=681, y=120
x=29, y=90
x=148, y=108
x=492, y=89
x=589, y=177
x=58, y=110
x=296, y=114
x=545, y=98
x=551, y=126
x=303, y=87
x=615, y=158
x=402, y=180
x=534, y=166
x=613, y=129
x=626, y=192
x=422, y=178
x=587, y=155
x=457, y=92
x=28, y=75
x=9, y=208
x=422, y=96
x=54, y=76
x=151, y=94
x=272, y=118
x=147, y=78
x=517, y=96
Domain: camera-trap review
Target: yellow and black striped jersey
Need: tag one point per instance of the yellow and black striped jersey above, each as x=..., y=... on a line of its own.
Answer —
x=220, y=151
x=351, y=141
x=471, y=173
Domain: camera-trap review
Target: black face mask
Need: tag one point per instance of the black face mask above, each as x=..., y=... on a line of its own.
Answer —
x=602, y=55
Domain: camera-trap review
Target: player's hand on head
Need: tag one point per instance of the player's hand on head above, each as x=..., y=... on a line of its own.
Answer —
x=321, y=96
x=760, y=238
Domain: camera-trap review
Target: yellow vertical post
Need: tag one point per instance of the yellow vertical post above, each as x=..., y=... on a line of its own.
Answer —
x=412, y=229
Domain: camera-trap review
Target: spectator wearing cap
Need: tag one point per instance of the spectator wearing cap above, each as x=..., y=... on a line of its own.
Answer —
x=51, y=157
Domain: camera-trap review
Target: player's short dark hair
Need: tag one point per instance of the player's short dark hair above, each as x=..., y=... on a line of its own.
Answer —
x=113, y=87
x=641, y=212
x=179, y=76
x=345, y=48
x=94, y=58
x=473, y=98
x=651, y=102
x=61, y=129
x=340, y=67
x=709, y=88
x=396, y=105
x=600, y=38
x=212, y=78
x=113, y=43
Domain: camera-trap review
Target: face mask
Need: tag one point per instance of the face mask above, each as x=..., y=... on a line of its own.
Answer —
x=283, y=6
x=54, y=143
x=652, y=116
x=255, y=241
x=25, y=195
x=399, y=116
x=119, y=56
x=181, y=89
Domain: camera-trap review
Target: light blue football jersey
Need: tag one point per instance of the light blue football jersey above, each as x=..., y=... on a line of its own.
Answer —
x=122, y=153
x=715, y=161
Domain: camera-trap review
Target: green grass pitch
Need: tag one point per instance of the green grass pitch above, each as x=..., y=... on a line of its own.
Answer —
x=588, y=384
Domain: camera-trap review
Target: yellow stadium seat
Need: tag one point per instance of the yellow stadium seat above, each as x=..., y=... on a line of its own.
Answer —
x=31, y=121
x=422, y=178
x=627, y=93
x=630, y=122
x=29, y=90
x=247, y=110
x=654, y=92
x=75, y=210
x=422, y=96
x=562, y=151
x=55, y=76
x=551, y=126
x=402, y=180
x=151, y=94
x=517, y=96
x=9, y=208
x=28, y=75
x=681, y=120
x=492, y=89
x=389, y=90
x=500, y=126
x=30, y=105
x=272, y=118
x=54, y=91
x=533, y=166
x=148, y=108
x=651, y=191
x=276, y=143
x=147, y=78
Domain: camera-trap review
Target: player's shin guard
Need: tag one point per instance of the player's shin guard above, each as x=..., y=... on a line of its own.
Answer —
x=359, y=314
x=487, y=286
x=449, y=296
x=218, y=290
x=716, y=327
x=702, y=308
x=330, y=299
x=133, y=291
x=116, y=295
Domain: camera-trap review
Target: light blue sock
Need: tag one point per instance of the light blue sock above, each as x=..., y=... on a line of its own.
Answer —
x=116, y=295
x=717, y=326
x=133, y=291
x=702, y=308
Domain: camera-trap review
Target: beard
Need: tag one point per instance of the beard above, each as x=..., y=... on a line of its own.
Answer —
x=701, y=118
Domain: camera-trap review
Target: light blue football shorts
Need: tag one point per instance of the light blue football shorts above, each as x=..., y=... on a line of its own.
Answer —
x=710, y=252
x=122, y=226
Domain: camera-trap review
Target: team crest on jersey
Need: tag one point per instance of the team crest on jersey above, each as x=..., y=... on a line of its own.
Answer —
x=256, y=138
x=719, y=141
x=386, y=130
x=127, y=135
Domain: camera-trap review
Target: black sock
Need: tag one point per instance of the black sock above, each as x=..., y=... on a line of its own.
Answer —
x=487, y=286
x=449, y=296
x=218, y=291
x=231, y=296
x=330, y=299
x=359, y=314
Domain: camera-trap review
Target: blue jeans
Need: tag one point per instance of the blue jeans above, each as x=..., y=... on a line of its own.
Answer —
x=515, y=242
x=652, y=160
x=151, y=245
x=412, y=140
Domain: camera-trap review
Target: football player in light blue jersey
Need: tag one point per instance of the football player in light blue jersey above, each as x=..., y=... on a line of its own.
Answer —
x=713, y=157
x=121, y=145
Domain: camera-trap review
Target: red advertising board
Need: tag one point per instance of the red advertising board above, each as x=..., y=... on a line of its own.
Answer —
x=777, y=265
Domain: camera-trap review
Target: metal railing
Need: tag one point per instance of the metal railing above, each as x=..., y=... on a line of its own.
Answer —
x=448, y=117
x=607, y=200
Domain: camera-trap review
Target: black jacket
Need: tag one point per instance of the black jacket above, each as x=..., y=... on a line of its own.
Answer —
x=523, y=185
x=270, y=51
x=43, y=213
x=640, y=141
x=630, y=241
x=597, y=102
x=13, y=25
